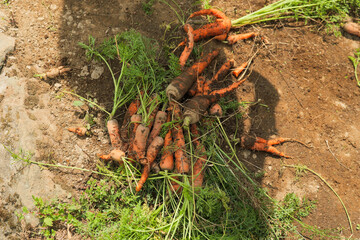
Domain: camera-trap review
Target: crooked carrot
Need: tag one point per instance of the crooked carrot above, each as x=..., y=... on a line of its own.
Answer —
x=188, y=47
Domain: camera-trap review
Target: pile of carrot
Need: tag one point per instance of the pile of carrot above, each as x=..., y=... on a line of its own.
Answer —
x=140, y=142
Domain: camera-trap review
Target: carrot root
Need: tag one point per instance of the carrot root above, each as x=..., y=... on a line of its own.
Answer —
x=114, y=133
x=80, y=131
x=188, y=47
x=232, y=39
x=139, y=143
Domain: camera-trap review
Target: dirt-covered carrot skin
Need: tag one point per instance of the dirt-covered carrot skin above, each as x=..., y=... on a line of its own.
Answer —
x=117, y=155
x=216, y=110
x=222, y=92
x=219, y=74
x=181, y=84
x=198, y=170
x=236, y=72
x=182, y=162
x=135, y=121
x=188, y=47
x=167, y=158
x=151, y=154
x=80, y=131
x=160, y=119
x=132, y=109
x=232, y=39
x=260, y=144
x=139, y=143
x=114, y=133
x=197, y=87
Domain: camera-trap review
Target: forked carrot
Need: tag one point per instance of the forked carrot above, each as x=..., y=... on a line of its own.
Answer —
x=182, y=162
x=113, y=129
x=188, y=47
x=181, y=84
x=235, y=38
x=236, y=72
x=260, y=144
x=219, y=74
x=151, y=154
x=167, y=158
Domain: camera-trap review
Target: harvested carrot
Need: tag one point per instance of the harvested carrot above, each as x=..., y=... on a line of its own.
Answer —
x=181, y=84
x=352, y=28
x=135, y=121
x=199, y=165
x=54, y=72
x=219, y=28
x=188, y=47
x=113, y=129
x=160, y=119
x=151, y=154
x=232, y=39
x=152, y=117
x=236, y=72
x=182, y=162
x=260, y=144
x=197, y=87
x=116, y=154
x=80, y=131
x=216, y=110
x=139, y=143
x=219, y=74
x=222, y=92
x=132, y=109
x=221, y=37
x=167, y=158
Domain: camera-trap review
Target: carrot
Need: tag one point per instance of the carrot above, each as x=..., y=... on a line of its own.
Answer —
x=235, y=38
x=260, y=144
x=199, y=166
x=197, y=87
x=352, y=28
x=135, y=121
x=116, y=154
x=221, y=37
x=160, y=119
x=181, y=84
x=216, y=110
x=152, y=116
x=80, y=131
x=167, y=158
x=54, y=72
x=188, y=47
x=219, y=28
x=222, y=92
x=139, y=143
x=182, y=162
x=239, y=69
x=113, y=129
x=132, y=109
x=219, y=74
x=151, y=154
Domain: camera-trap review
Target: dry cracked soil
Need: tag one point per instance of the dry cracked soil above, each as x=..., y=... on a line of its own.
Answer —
x=302, y=77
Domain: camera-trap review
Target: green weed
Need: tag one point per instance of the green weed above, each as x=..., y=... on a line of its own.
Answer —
x=355, y=61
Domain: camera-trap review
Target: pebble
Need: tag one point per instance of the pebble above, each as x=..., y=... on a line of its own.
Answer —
x=97, y=72
x=57, y=86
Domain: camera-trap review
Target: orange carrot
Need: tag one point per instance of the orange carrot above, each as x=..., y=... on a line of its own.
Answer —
x=235, y=38
x=197, y=87
x=222, y=92
x=167, y=158
x=139, y=143
x=260, y=144
x=181, y=84
x=199, y=166
x=135, y=121
x=132, y=109
x=182, y=162
x=219, y=74
x=216, y=110
x=113, y=129
x=160, y=119
x=352, y=28
x=221, y=37
x=188, y=47
x=239, y=69
x=151, y=154
x=117, y=155
x=80, y=131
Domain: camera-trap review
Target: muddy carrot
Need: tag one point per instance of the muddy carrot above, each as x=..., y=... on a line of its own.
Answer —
x=181, y=84
x=132, y=109
x=197, y=87
x=222, y=92
x=198, y=170
x=113, y=129
x=135, y=121
x=151, y=154
x=139, y=143
x=117, y=155
x=236, y=72
x=260, y=144
x=216, y=110
x=219, y=74
x=188, y=47
x=160, y=119
x=80, y=131
x=167, y=158
x=235, y=38
x=182, y=162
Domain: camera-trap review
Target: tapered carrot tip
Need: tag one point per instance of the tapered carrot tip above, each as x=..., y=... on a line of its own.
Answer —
x=80, y=131
x=106, y=157
x=260, y=144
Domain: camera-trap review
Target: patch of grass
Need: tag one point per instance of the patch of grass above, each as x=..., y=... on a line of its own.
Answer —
x=355, y=61
x=147, y=6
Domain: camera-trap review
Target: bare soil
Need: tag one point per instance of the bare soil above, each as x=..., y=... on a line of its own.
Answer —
x=302, y=79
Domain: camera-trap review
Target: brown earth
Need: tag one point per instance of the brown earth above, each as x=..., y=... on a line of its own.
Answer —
x=302, y=79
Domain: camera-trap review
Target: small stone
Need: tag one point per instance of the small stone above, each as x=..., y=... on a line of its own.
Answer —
x=53, y=7
x=84, y=71
x=96, y=73
x=57, y=86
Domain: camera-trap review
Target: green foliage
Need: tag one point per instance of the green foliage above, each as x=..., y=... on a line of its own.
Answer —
x=147, y=6
x=355, y=61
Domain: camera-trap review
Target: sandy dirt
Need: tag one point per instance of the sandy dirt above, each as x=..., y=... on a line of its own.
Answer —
x=302, y=79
